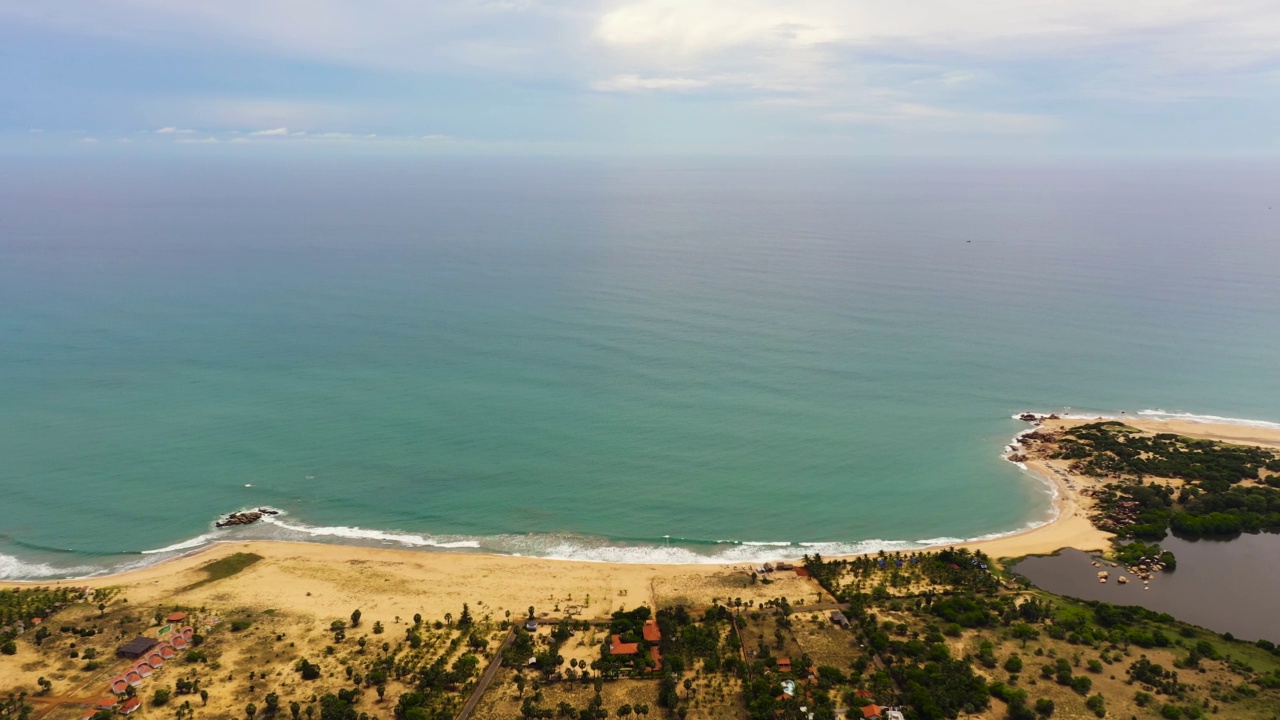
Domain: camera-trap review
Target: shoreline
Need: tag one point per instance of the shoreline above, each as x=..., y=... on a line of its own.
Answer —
x=1069, y=525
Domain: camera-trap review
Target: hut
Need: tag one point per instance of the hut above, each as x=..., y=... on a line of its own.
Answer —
x=617, y=647
x=839, y=618
x=176, y=617
x=119, y=685
x=130, y=705
x=167, y=652
x=106, y=702
x=872, y=712
x=144, y=669
x=133, y=678
x=137, y=647
x=656, y=655
x=652, y=634
x=178, y=642
x=784, y=665
x=155, y=660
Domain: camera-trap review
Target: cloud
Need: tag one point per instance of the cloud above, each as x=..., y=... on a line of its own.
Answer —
x=35, y=130
x=174, y=131
x=124, y=141
x=274, y=132
x=636, y=83
x=89, y=140
x=914, y=116
x=436, y=138
x=197, y=141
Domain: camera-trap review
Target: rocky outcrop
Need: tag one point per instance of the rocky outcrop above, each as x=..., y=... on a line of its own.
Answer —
x=245, y=518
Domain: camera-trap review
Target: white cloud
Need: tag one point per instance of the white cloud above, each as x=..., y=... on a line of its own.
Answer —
x=636, y=83
x=436, y=138
x=174, y=131
x=35, y=130
x=274, y=132
x=124, y=141
x=197, y=141
x=89, y=140
x=239, y=140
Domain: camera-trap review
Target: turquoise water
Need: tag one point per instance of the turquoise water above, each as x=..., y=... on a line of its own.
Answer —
x=580, y=358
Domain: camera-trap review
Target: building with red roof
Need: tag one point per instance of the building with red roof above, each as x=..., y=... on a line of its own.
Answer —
x=118, y=685
x=656, y=655
x=133, y=677
x=784, y=664
x=652, y=634
x=178, y=642
x=106, y=702
x=167, y=652
x=617, y=647
x=144, y=669
x=176, y=617
x=871, y=712
x=128, y=706
x=156, y=661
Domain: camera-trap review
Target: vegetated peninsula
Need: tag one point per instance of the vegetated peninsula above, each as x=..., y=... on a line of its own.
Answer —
x=1140, y=481
x=275, y=630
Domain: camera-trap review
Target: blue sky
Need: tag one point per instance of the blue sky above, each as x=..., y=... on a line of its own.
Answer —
x=855, y=77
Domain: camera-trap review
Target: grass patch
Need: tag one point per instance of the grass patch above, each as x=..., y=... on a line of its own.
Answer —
x=225, y=568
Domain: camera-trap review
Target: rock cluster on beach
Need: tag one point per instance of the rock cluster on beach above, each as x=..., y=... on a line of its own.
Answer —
x=245, y=518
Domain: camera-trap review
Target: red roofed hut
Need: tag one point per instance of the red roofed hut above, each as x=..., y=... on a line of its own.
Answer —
x=656, y=655
x=652, y=634
x=176, y=617
x=118, y=685
x=871, y=712
x=784, y=664
x=617, y=647
x=129, y=706
x=106, y=702
x=133, y=677
x=167, y=652
x=144, y=669
x=156, y=661
x=178, y=642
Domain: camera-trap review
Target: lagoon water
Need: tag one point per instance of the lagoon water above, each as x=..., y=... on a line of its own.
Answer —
x=1224, y=585
x=579, y=358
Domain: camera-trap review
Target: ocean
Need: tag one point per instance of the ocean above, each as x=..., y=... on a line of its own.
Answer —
x=644, y=360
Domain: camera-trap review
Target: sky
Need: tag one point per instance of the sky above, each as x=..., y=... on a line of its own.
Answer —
x=810, y=77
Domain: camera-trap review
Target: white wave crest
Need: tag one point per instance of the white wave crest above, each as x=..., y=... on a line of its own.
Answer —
x=12, y=568
x=1214, y=419
x=357, y=533
x=191, y=544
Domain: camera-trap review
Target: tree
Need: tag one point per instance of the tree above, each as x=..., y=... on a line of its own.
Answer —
x=102, y=609
x=688, y=687
x=1024, y=632
x=250, y=710
x=204, y=697
x=355, y=618
x=272, y=702
x=161, y=697
x=382, y=690
x=9, y=648
x=464, y=620
x=417, y=618
x=377, y=627
x=448, y=619
x=295, y=709
x=1044, y=707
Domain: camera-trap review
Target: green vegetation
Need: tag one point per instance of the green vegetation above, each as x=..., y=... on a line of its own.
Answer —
x=224, y=568
x=1229, y=489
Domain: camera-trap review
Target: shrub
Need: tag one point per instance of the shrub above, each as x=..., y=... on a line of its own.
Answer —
x=9, y=648
x=161, y=697
x=1044, y=707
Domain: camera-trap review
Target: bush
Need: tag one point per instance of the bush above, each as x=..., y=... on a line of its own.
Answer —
x=161, y=697
x=1013, y=664
x=309, y=670
x=1171, y=712
x=1044, y=707
x=1097, y=705
x=240, y=625
x=9, y=648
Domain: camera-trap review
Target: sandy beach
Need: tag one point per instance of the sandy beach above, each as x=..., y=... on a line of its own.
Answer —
x=329, y=580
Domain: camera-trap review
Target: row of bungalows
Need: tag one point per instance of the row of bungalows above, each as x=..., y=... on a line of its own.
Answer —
x=150, y=654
